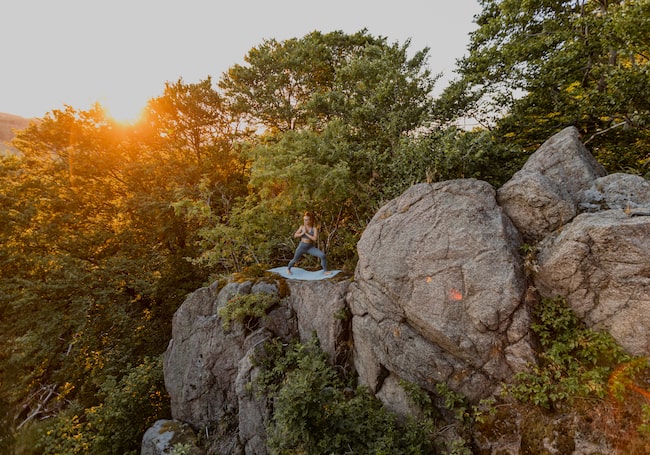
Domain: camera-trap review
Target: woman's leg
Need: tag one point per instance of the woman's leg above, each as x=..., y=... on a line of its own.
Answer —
x=319, y=254
x=302, y=249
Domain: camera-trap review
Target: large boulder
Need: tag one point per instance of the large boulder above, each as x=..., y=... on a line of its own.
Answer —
x=546, y=193
x=438, y=292
x=164, y=436
x=601, y=264
x=203, y=361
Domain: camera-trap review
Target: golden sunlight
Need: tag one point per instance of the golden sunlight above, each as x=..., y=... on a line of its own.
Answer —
x=125, y=113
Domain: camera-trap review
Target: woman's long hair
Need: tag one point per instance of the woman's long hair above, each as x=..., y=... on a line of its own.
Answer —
x=312, y=218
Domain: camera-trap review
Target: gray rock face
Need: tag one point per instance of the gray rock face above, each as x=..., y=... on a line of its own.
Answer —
x=201, y=360
x=546, y=192
x=208, y=370
x=617, y=191
x=320, y=309
x=163, y=435
x=437, y=288
x=601, y=264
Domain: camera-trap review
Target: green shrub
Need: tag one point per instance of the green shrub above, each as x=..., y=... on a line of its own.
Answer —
x=575, y=361
x=244, y=307
x=129, y=407
x=316, y=412
x=460, y=414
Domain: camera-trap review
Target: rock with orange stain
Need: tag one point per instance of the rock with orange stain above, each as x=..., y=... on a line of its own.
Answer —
x=440, y=266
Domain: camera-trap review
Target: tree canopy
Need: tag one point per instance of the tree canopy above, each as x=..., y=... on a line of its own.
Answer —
x=93, y=256
x=534, y=67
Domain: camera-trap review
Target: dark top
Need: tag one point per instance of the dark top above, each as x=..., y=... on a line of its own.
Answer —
x=304, y=236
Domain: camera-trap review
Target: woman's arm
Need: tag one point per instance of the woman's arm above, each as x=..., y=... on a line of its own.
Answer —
x=300, y=231
x=313, y=237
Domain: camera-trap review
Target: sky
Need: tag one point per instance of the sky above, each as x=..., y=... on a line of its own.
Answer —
x=120, y=53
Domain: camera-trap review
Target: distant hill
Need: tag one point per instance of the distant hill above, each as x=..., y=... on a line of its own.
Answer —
x=9, y=123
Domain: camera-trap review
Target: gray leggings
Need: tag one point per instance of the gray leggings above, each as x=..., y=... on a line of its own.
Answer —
x=308, y=248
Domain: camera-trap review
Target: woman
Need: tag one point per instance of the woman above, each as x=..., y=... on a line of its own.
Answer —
x=308, y=234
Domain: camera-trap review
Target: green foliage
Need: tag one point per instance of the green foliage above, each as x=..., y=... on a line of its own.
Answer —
x=7, y=439
x=451, y=154
x=333, y=108
x=344, y=314
x=464, y=415
x=314, y=412
x=244, y=307
x=306, y=82
x=535, y=67
x=130, y=406
x=92, y=259
x=454, y=401
x=575, y=362
x=419, y=397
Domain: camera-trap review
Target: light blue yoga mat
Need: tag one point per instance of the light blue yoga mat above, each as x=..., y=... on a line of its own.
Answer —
x=301, y=274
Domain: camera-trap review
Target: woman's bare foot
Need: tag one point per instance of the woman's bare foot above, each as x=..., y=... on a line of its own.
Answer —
x=327, y=272
x=289, y=271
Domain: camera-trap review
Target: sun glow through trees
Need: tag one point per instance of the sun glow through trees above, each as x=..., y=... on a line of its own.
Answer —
x=126, y=114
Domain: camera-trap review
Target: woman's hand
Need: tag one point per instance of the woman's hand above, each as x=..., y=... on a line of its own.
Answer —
x=313, y=236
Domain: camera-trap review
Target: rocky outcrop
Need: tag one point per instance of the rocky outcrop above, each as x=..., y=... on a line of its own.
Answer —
x=627, y=192
x=545, y=194
x=440, y=295
x=208, y=368
x=167, y=434
x=437, y=294
x=601, y=264
x=593, y=236
x=201, y=360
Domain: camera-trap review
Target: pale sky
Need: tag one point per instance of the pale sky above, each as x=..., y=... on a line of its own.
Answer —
x=120, y=53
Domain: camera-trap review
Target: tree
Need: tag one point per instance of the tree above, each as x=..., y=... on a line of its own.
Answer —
x=192, y=119
x=370, y=85
x=129, y=406
x=453, y=153
x=60, y=231
x=280, y=87
x=93, y=253
x=535, y=67
x=331, y=111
